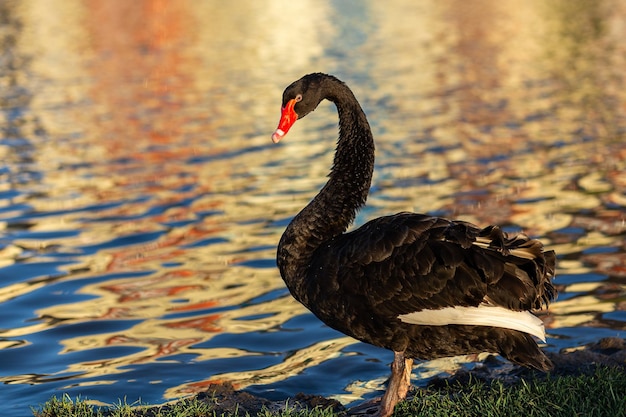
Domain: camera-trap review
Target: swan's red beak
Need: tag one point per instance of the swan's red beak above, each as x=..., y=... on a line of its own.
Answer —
x=288, y=117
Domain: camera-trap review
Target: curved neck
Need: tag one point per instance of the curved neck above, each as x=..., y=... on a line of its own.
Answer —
x=351, y=174
x=331, y=212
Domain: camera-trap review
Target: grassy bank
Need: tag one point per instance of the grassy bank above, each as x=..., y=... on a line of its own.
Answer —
x=602, y=393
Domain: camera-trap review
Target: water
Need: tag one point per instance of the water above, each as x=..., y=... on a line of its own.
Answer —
x=141, y=199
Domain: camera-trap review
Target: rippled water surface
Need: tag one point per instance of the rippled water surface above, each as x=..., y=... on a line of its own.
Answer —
x=141, y=199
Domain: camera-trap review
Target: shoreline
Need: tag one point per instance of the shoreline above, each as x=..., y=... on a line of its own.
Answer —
x=585, y=360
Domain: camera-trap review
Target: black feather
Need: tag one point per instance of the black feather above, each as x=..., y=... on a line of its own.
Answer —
x=360, y=282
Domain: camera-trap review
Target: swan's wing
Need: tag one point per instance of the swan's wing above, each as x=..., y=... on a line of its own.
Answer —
x=410, y=262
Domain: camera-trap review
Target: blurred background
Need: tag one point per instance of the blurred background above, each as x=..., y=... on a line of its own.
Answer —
x=141, y=198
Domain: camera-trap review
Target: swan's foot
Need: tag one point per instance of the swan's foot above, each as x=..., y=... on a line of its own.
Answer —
x=399, y=384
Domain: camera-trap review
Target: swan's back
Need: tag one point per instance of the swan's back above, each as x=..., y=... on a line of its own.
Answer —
x=364, y=283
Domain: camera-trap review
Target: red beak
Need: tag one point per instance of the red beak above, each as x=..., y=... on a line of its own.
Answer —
x=287, y=118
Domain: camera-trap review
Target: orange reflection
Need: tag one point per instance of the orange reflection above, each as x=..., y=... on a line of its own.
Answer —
x=205, y=324
x=141, y=69
x=159, y=347
x=196, y=306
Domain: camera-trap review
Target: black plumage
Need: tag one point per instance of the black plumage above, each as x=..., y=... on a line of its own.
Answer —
x=361, y=282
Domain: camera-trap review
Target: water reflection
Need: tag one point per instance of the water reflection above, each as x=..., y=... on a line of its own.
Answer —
x=141, y=199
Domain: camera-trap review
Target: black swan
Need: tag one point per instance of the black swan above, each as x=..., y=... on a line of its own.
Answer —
x=422, y=286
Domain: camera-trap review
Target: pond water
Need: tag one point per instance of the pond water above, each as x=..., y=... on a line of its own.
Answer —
x=141, y=198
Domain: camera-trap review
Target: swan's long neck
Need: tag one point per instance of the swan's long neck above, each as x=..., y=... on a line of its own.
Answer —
x=331, y=212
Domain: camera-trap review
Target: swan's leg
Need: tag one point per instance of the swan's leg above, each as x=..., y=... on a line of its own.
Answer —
x=399, y=383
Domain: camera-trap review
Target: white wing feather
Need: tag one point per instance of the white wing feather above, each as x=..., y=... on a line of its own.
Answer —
x=483, y=315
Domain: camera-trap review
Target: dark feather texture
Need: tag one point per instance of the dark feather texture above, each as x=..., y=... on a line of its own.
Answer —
x=360, y=282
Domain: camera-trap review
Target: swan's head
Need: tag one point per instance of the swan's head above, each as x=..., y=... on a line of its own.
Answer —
x=299, y=99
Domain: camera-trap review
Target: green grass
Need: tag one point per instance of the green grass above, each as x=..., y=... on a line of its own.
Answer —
x=597, y=395
x=66, y=407
x=600, y=394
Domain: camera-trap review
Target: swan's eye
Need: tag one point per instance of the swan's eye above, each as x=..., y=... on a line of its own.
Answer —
x=298, y=97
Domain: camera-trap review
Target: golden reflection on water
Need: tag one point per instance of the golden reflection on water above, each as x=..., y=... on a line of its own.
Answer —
x=148, y=124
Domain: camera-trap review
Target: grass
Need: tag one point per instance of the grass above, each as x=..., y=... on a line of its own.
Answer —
x=66, y=407
x=602, y=393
